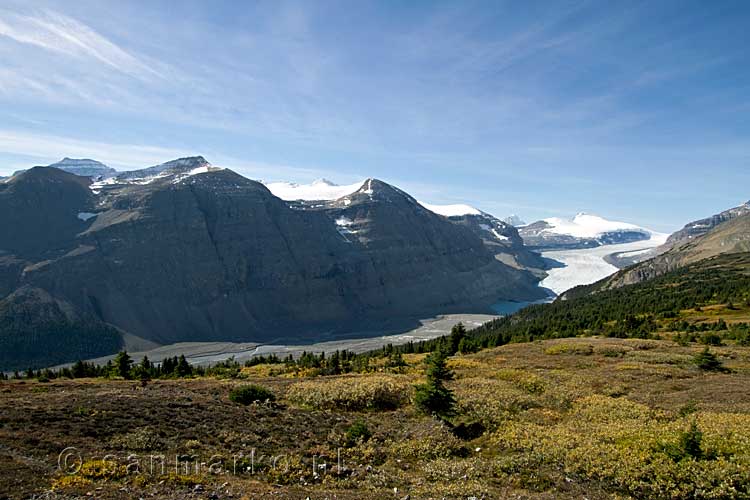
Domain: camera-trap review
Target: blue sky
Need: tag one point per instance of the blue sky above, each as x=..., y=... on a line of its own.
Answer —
x=636, y=111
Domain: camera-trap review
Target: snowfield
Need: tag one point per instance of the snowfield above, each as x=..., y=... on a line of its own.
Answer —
x=588, y=226
x=586, y=266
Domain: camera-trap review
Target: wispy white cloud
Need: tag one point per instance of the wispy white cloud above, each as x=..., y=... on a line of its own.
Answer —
x=58, y=33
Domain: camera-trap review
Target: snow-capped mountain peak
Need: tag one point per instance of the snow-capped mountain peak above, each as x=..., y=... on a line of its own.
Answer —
x=178, y=166
x=583, y=231
x=585, y=225
x=324, y=190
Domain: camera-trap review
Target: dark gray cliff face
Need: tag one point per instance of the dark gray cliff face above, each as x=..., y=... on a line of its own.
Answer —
x=215, y=256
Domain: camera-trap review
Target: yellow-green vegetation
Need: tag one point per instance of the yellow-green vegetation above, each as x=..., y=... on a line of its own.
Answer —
x=569, y=418
x=352, y=392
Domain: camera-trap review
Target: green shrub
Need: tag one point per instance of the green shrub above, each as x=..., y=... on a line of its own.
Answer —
x=707, y=361
x=710, y=339
x=357, y=432
x=248, y=394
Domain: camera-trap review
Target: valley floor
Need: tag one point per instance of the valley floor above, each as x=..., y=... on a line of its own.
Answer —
x=568, y=418
x=203, y=353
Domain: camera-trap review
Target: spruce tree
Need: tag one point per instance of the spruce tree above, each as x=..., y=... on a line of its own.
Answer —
x=434, y=397
x=706, y=360
x=123, y=364
x=183, y=368
x=458, y=333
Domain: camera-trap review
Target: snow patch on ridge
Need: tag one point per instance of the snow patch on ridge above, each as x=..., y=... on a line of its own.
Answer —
x=457, y=210
x=321, y=189
x=325, y=190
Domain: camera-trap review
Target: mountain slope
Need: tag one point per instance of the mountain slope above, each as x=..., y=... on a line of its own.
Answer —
x=186, y=252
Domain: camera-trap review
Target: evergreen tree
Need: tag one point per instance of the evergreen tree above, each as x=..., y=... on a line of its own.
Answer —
x=79, y=369
x=434, y=397
x=690, y=442
x=458, y=333
x=706, y=360
x=467, y=346
x=123, y=365
x=146, y=364
x=183, y=368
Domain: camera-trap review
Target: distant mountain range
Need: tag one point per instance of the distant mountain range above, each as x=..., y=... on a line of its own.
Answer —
x=82, y=167
x=184, y=251
x=582, y=231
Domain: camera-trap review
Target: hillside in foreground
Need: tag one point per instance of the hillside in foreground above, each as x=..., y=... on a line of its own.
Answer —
x=593, y=417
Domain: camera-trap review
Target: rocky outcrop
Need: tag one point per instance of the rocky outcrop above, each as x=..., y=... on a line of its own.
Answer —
x=186, y=252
